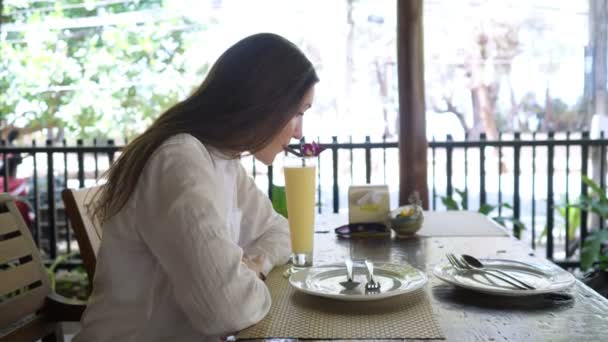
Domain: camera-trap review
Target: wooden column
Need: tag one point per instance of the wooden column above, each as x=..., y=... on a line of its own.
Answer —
x=412, y=123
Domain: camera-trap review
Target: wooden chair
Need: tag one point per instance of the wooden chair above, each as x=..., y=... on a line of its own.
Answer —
x=86, y=229
x=29, y=310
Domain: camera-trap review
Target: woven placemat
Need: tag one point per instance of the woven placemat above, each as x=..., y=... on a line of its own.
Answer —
x=297, y=315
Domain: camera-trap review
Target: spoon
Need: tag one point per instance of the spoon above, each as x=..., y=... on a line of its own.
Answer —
x=476, y=263
x=349, y=284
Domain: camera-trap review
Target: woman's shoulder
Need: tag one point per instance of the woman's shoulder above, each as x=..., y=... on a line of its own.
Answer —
x=183, y=139
x=188, y=150
x=182, y=145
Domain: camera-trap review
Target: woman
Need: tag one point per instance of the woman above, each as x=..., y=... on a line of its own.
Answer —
x=187, y=235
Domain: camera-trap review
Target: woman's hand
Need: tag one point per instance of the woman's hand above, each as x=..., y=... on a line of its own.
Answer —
x=255, y=264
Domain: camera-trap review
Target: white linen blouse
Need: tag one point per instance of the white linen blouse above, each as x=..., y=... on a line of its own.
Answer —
x=170, y=265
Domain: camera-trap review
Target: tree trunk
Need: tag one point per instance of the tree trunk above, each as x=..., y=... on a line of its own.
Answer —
x=477, y=127
x=350, y=64
x=548, y=119
x=513, y=112
x=486, y=111
x=383, y=91
x=482, y=96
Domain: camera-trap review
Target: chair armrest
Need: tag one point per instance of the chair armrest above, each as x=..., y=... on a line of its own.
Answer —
x=61, y=309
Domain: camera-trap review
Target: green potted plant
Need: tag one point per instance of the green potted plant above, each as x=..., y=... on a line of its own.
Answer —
x=594, y=253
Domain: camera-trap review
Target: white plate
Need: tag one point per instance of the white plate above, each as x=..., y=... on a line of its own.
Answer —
x=545, y=278
x=325, y=281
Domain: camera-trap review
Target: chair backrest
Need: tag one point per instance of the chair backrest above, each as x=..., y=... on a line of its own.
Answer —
x=24, y=283
x=86, y=228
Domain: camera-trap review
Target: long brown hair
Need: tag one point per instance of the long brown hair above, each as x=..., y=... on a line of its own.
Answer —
x=248, y=96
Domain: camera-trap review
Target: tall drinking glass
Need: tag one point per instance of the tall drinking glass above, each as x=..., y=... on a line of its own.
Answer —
x=300, y=192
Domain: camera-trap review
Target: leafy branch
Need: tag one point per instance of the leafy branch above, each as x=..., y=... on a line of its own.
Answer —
x=595, y=202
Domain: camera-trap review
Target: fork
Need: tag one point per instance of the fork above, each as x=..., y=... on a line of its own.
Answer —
x=461, y=266
x=371, y=286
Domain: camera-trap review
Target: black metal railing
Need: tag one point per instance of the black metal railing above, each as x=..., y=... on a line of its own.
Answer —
x=46, y=174
x=570, y=175
x=486, y=171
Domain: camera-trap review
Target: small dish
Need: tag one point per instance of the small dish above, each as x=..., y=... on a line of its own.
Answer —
x=406, y=220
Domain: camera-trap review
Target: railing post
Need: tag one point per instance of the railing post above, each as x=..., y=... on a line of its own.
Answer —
x=466, y=167
x=482, y=170
x=602, y=179
x=433, y=167
x=36, y=197
x=270, y=181
x=95, y=158
x=50, y=177
x=368, y=160
x=68, y=231
x=80, y=154
x=516, y=172
x=533, y=192
x=5, y=163
x=499, y=175
x=384, y=158
x=550, y=204
x=319, y=193
x=584, y=190
x=334, y=155
x=568, y=252
x=448, y=165
x=110, y=153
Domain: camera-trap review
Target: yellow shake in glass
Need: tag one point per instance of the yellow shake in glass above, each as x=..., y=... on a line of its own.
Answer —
x=300, y=192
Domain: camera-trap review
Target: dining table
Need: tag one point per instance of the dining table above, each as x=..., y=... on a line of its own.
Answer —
x=574, y=314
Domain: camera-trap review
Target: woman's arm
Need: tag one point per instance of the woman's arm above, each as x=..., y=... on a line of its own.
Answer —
x=182, y=221
x=263, y=231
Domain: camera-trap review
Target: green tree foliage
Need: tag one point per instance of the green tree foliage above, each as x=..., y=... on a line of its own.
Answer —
x=593, y=250
x=93, y=69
